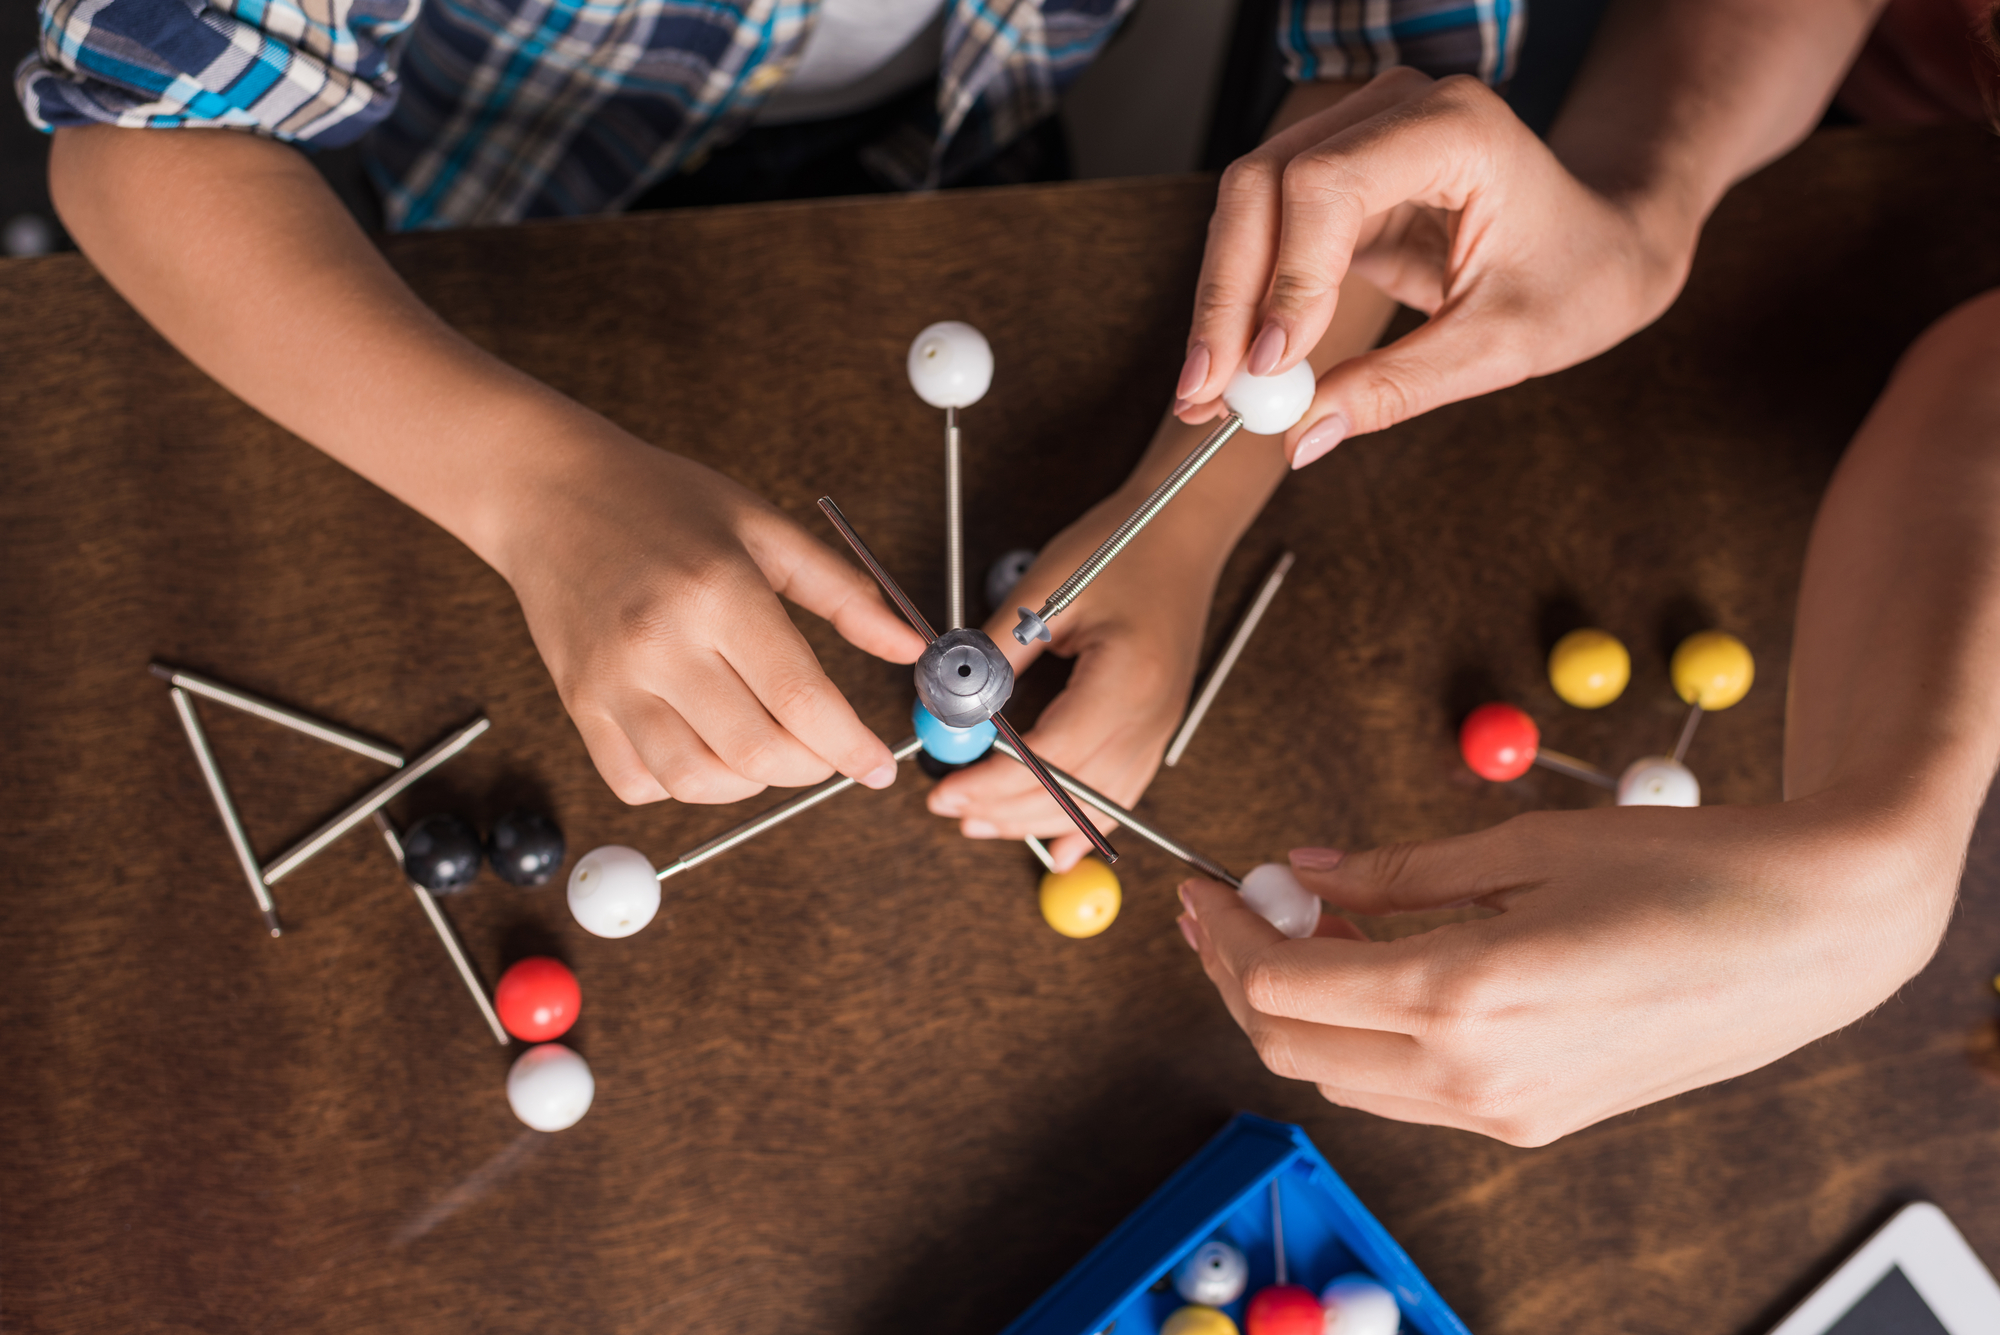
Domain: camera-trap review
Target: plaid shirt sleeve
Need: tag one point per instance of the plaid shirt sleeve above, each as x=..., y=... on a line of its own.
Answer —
x=314, y=72
x=1358, y=39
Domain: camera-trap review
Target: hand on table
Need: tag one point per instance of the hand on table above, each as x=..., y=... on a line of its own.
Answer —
x=1637, y=952
x=1135, y=634
x=1436, y=193
x=651, y=586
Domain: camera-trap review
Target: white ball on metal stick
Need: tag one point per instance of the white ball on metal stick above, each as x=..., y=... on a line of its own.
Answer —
x=1271, y=405
x=951, y=365
x=613, y=891
x=550, y=1087
x=1658, y=781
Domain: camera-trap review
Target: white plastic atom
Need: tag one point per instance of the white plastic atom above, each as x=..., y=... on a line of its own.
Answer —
x=1357, y=1305
x=613, y=891
x=951, y=365
x=1277, y=897
x=1214, y=1276
x=1271, y=405
x=1658, y=781
x=550, y=1087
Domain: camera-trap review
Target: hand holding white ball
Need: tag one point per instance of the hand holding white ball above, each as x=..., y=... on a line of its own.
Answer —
x=951, y=365
x=613, y=891
x=1271, y=405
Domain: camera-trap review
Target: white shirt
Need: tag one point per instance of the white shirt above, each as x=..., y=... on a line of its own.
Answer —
x=860, y=52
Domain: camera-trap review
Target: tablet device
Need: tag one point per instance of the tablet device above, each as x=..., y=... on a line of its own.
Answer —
x=1916, y=1276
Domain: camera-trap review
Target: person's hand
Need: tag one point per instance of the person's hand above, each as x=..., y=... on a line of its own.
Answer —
x=1135, y=634
x=1435, y=192
x=1637, y=952
x=651, y=586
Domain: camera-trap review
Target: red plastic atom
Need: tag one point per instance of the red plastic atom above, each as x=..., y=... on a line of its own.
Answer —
x=1498, y=742
x=538, y=999
x=1284, y=1309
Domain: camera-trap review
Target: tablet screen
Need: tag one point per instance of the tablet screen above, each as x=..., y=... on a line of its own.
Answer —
x=1892, y=1307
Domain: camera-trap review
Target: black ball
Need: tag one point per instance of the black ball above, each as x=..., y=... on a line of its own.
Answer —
x=441, y=853
x=526, y=848
x=934, y=767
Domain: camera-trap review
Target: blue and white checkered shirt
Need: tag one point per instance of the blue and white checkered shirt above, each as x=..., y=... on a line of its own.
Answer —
x=490, y=111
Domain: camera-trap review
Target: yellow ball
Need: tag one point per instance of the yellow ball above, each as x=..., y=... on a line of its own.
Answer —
x=1589, y=668
x=1082, y=901
x=1713, y=669
x=1198, y=1321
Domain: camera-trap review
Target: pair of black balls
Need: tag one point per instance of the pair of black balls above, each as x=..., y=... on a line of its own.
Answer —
x=442, y=853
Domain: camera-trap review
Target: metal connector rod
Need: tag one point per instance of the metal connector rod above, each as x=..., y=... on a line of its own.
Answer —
x=1576, y=769
x=954, y=525
x=776, y=816
x=1687, y=732
x=1034, y=624
x=381, y=795
x=1045, y=776
x=1160, y=840
x=882, y=577
x=231, y=822
x=442, y=926
x=271, y=712
x=1041, y=852
x=1230, y=653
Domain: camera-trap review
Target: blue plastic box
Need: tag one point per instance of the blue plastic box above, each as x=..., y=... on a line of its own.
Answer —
x=1225, y=1192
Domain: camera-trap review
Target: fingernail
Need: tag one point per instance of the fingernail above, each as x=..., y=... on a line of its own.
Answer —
x=1187, y=930
x=1182, y=405
x=1317, y=859
x=947, y=804
x=1193, y=371
x=979, y=829
x=1326, y=433
x=1187, y=899
x=881, y=776
x=1264, y=353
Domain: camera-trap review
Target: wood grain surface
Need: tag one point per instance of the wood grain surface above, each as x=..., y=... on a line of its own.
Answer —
x=848, y=1081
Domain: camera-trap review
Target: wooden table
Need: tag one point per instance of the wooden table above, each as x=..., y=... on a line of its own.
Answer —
x=849, y=1081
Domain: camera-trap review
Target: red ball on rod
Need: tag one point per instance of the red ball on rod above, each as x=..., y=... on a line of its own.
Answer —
x=1499, y=742
x=538, y=999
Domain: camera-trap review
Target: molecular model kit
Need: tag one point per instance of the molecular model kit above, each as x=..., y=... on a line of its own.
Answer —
x=1590, y=668
x=963, y=681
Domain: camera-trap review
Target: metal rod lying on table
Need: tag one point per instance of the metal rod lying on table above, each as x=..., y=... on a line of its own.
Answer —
x=231, y=822
x=1234, y=650
x=442, y=926
x=1160, y=840
x=776, y=816
x=271, y=712
x=374, y=800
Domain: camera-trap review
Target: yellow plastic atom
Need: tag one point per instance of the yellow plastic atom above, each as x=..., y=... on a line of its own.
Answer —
x=1198, y=1321
x=1589, y=668
x=1713, y=669
x=1082, y=901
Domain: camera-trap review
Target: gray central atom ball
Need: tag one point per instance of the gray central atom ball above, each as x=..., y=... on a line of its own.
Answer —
x=964, y=679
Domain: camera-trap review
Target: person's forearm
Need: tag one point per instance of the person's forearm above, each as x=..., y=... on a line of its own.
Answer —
x=1893, y=708
x=1678, y=101
x=236, y=251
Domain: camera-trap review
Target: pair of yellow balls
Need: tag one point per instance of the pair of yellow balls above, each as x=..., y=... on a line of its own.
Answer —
x=1590, y=668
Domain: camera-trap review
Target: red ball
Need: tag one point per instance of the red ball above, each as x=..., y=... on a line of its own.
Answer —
x=1499, y=742
x=1284, y=1309
x=538, y=999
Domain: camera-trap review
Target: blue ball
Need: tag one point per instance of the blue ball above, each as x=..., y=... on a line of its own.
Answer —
x=953, y=746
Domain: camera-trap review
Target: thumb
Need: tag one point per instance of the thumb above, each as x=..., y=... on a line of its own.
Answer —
x=1459, y=353
x=809, y=573
x=1406, y=878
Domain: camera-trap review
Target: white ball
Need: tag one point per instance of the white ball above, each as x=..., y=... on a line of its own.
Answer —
x=1658, y=781
x=1357, y=1305
x=613, y=891
x=550, y=1087
x=1215, y=1275
x=1278, y=898
x=951, y=365
x=1271, y=405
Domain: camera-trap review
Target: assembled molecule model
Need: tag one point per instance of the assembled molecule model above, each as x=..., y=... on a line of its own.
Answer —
x=1711, y=671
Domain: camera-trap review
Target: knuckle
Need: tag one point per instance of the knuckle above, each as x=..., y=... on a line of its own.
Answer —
x=1264, y=985
x=1247, y=179
x=1402, y=77
x=1274, y=1048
